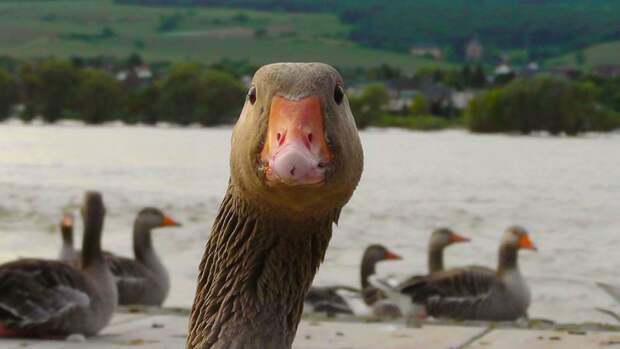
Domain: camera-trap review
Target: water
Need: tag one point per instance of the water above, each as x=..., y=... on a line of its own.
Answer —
x=566, y=191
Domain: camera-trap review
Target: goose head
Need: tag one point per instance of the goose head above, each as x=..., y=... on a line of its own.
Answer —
x=295, y=147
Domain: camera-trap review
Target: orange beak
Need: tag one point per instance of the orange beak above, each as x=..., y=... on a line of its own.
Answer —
x=169, y=222
x=526, y=243
x=389, y=255
x=295, y=150
x=458, y=238
x=67, y=220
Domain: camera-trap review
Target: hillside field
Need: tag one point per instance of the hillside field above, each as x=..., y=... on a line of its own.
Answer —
x=100, y=27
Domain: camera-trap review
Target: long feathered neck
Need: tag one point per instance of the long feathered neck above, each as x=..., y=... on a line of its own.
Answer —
x=91, y=245
x=253, y=277
x=67, y=235
x=142, y=244
x=508, y=259
x=367, y=268
x=435, y=258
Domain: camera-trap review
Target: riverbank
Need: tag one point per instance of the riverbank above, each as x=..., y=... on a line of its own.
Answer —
x=163, y=329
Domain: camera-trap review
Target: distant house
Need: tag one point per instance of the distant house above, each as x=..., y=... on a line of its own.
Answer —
x=460, y=99
x=567, y=72
x=530, y=70
x=137, y=76
x=401, y=92
x=503, y=69
x=607, y=71
x=431, y=51
x=474, y=50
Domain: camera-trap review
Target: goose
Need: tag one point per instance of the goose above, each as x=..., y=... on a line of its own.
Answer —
x=51, y=299
x=143, y=280
x=329, y=299
x=67, y=251
x=372, y=255
x=440, y=239
x=296, y=159
x=475, y=293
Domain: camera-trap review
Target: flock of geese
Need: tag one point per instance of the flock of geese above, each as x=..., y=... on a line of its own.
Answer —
x=78, y=293
x=295, y=161
x=463, y=293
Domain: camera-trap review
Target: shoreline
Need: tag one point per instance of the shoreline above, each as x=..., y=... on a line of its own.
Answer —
x=166, y=328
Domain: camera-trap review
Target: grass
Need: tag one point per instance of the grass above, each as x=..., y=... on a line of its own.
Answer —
x=45, y=28
x=599, y=54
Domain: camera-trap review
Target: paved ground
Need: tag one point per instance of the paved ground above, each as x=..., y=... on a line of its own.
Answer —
x=168, y=331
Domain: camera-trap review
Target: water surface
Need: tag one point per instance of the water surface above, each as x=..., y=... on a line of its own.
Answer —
x=566, y=191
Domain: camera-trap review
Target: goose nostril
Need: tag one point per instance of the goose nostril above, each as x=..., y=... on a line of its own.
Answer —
x=278, y=137
x=310, y=137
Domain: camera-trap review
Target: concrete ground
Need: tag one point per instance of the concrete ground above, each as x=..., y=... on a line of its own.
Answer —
x=164, y=331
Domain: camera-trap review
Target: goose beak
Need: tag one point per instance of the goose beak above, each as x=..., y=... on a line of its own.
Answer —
x=389, y=255
x=458, y=238
x=67, y=221
x=526, y=243
x=169, y=222
x=295, y=150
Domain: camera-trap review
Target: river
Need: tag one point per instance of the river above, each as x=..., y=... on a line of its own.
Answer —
x=564, y=190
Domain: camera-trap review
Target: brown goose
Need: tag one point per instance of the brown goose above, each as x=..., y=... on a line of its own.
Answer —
x=474, y=293
x=372, y=255
x=41, y=298
x=143, y=280
x=440, y=239
x=296, y=159
x=67, y=251
x=327, y=298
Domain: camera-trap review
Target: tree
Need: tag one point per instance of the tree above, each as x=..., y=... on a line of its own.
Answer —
x=478, y=79
x=143, y=105
x=182, y=95
x=224, y=96
x=134, y=60
x=100, y=97
x=419, y=105
x=368, y=107
x=544, y=103
x=48, y=88
x=8, y=95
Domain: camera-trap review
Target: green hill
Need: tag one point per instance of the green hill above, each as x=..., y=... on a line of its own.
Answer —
x=539, y=28
x=66, y=28
x=600, y=54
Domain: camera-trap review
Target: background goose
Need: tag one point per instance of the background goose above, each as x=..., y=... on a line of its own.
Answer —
x=143, y=280
x=67, y=251
x=40, y=298
x=475, y=294
x=296, y=159
x=373, y=255
x=330, y=299
x=440, y=239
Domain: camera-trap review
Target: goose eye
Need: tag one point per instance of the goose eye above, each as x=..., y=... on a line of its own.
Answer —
x=252, y=95
x=338, y=94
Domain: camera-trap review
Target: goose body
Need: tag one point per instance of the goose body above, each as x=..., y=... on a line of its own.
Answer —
x=295, y=161
x=474, y=293
x=439, y=240
x=143, y=280
x=41, y=298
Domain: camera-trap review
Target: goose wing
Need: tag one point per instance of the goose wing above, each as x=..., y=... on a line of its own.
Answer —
x=35, y=292
x=457, y=293
x=126, y=270
x=327, y=299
